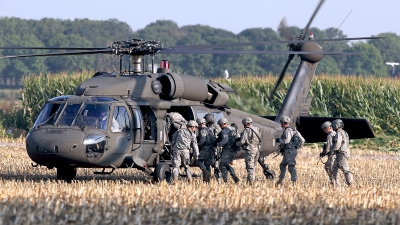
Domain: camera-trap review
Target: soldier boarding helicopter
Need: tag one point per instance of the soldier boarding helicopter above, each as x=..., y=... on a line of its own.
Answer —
x=117, y=120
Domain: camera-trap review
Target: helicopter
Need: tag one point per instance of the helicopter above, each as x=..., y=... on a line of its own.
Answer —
x=118, y=120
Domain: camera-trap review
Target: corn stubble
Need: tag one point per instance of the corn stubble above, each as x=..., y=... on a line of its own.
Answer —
x=33, y=196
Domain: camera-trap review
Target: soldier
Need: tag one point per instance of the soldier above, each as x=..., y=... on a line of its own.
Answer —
x=250, y=139
x=289, y=152
x=206, y=141
x=228, y=137
x=327, y=128
x=182, y=141
x=341, y=149
x=210, y=123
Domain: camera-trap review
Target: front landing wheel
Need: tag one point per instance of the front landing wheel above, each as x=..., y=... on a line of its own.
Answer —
x=66, y=173
x=162, y=172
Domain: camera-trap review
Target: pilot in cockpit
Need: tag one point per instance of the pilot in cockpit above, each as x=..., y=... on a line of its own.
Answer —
x=103, y=118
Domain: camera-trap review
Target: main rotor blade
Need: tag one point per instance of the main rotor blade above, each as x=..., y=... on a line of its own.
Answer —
x=312, y=18
x=217, y=52
x=283, y=27
x=58, y=54
x=54, y=48
x=281, y=76
x=209, y=46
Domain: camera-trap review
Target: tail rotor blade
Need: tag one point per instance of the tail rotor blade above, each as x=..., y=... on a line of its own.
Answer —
x=312, y=18
x=281, y=76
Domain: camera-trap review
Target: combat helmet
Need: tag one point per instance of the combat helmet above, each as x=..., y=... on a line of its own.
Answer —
x=201, y=121
x=325, y=125
x=285, y=119
x=222, y=121
x=336, y=124
x=247, y=120
x=192, y=123
x=209, y=117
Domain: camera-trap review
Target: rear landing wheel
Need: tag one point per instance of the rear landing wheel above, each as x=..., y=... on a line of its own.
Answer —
x=66, y=173
x=162, y=172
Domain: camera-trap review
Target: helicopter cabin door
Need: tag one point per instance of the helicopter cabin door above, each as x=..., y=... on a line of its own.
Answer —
x=119, y=131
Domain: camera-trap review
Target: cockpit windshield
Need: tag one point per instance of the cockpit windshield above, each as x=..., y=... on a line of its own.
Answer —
x=94, y=112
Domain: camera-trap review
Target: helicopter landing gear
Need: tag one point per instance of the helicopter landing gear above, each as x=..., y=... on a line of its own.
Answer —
x=162, y=172
x=66, y=173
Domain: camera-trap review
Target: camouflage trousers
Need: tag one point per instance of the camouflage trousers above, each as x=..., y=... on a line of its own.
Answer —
x=206, y=159
x=224, y=164
x=288, y=160
x=250, y=158
x=181, y=157
x=329, y=167
x=341, y=162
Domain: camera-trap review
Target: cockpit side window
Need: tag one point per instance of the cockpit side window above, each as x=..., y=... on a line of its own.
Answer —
x=68, y=115
x=120, y=120
x=94, y=115
x=48, y=115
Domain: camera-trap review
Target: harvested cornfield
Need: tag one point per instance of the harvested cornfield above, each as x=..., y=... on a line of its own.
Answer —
x=33, y=196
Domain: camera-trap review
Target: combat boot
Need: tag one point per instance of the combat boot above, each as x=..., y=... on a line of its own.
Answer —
x=278, y=183
x=190, y=180
x=235, y=178
x=225, y=179
x=206, y=175
x=294, y=183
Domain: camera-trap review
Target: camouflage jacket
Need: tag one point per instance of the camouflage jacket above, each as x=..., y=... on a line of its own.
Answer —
x=184, y=139
x=329, y=142
x=250, y=138
x=206, y=138
x=214, y=128
x=341, y=142
x=286, y=138
x=227, y=137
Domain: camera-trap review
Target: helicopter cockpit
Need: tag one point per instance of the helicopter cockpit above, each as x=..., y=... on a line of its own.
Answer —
x=92, y=112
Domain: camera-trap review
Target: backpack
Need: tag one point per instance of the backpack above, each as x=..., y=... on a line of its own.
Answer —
x=175, y=120
x=297, y=140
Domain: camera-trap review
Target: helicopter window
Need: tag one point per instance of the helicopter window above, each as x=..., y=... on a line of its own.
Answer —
x=48, y=115
x=94, y=115
x=120, y=120
x=68, y=115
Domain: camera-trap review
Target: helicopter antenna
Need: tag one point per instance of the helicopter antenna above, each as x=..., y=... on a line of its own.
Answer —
x=337, y=29
x=59, y=91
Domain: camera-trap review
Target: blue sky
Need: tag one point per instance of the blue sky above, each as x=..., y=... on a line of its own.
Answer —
x=367, y=18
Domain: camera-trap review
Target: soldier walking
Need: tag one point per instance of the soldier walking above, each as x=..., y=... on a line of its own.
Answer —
x=289, y=152
x=341, y=150
x=327, y=128
x=250, y=139
x=228, y=137
x=210, y=123
x=206, y=140
x=182, y=141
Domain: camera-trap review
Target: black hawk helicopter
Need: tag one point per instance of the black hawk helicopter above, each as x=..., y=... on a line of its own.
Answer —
x=117, y=120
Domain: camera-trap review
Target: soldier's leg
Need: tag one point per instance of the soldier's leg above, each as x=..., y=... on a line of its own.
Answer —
x=223, y=165
x=249, y=159
x=291, y=162
x=282, y=168
x=209, y=161
x=186, y=163
x=329, y=167
x=344, y=166
x=200, y=164
x=335, y=171
x=176, y=163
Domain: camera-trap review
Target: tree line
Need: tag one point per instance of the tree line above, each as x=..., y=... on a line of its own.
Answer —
x=49, y=32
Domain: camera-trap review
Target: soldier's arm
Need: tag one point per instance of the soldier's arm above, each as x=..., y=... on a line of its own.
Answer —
x=329, y=143
x=224, y=137
x=286, y=137
x=336, y=146
x=202, y=137
x=243, y=138
x=195, y=147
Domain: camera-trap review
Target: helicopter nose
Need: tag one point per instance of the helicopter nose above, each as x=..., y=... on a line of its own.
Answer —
x=55, y=146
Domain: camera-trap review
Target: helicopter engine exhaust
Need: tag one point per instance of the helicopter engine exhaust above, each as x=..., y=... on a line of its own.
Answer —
x=183, y=86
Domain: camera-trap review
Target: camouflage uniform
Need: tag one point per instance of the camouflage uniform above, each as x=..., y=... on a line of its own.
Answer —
x=250, y=141
x=289, y=155
x=331, y=157
x=341, y=149
x=182, y=141
x=206, y=142
x=228, y=137
x=216, y=130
